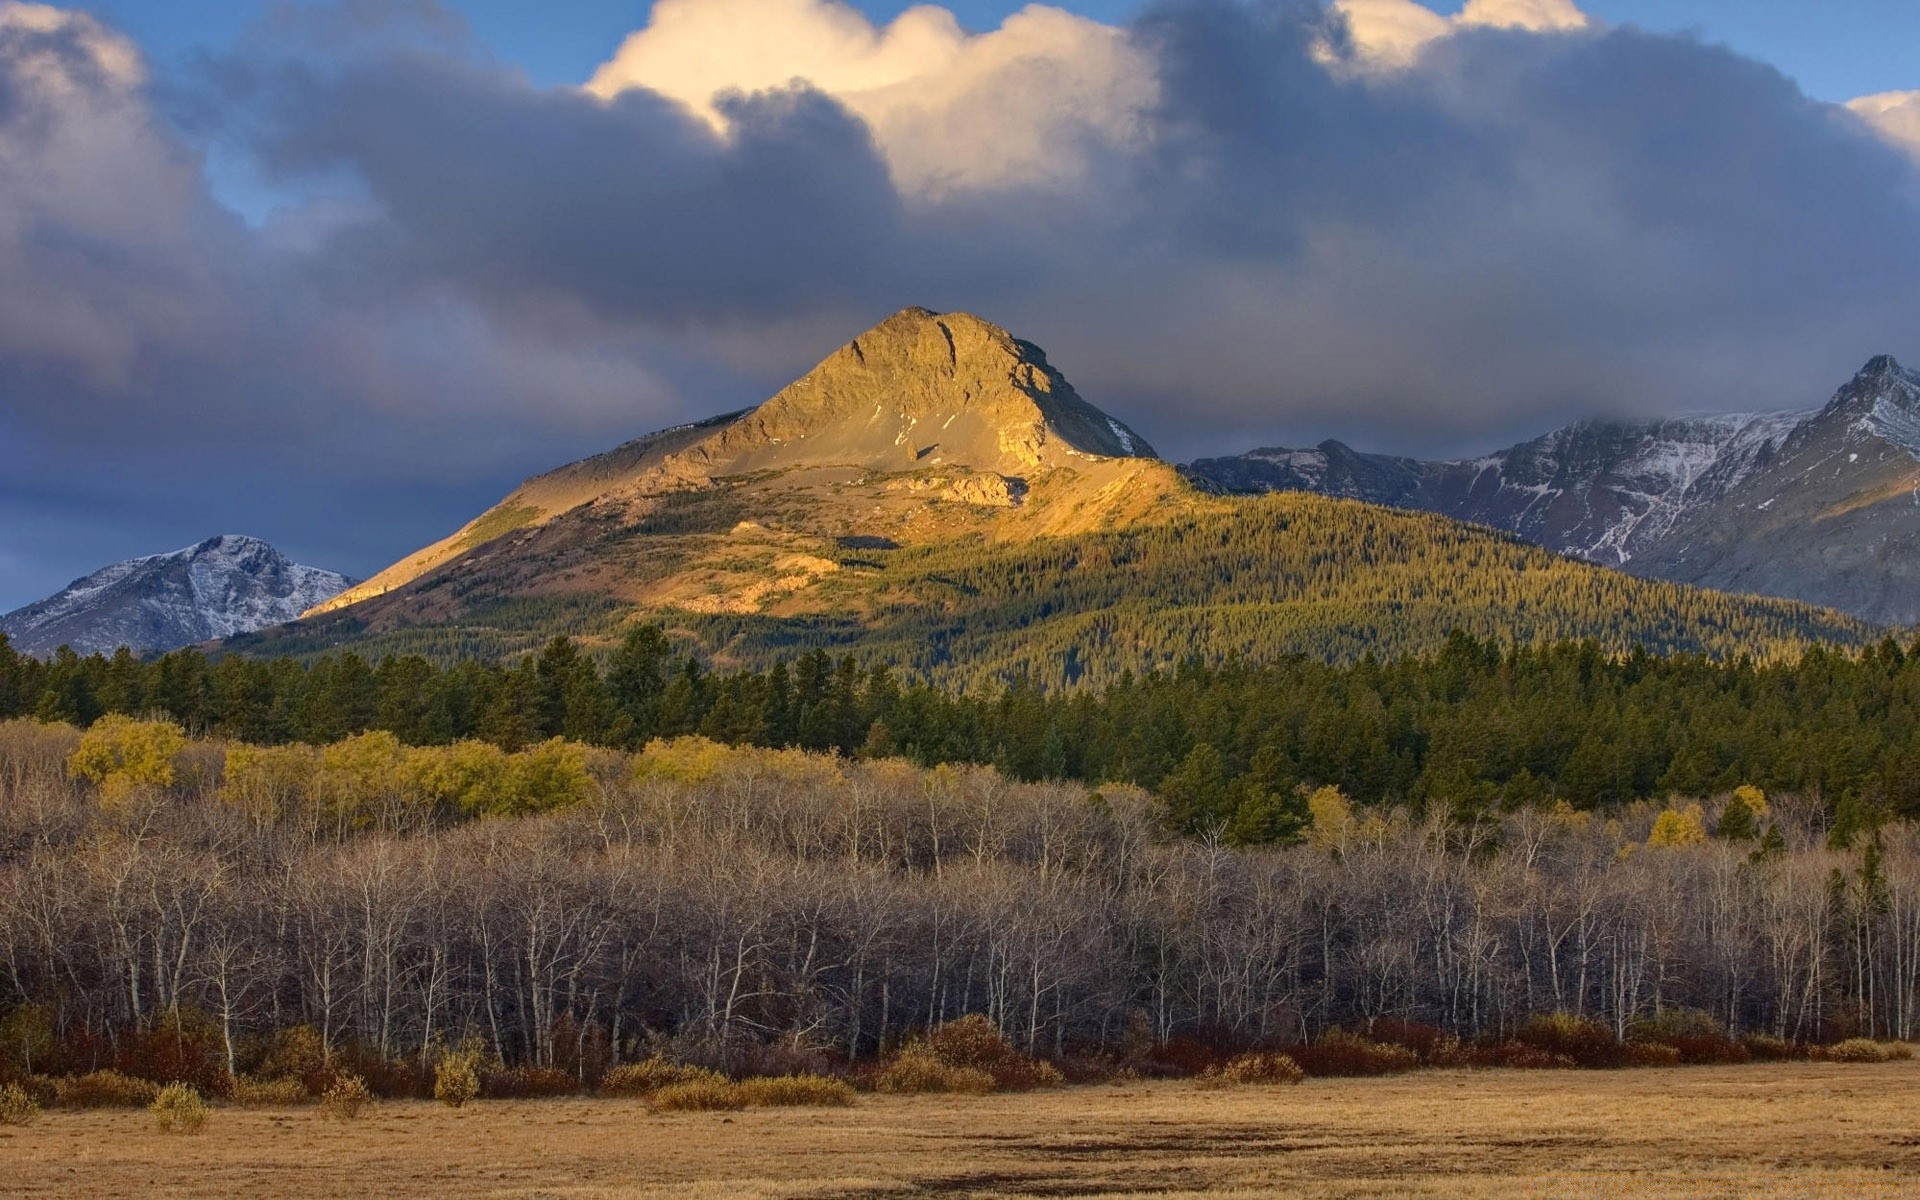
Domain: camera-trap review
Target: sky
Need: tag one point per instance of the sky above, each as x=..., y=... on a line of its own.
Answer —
x=339, y=274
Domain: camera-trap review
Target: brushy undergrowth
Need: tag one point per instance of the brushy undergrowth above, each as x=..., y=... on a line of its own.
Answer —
x=527, y=1083
x=345, y=1097
x=968, y=1056
x=1856, y=1050
x=699, y=1096
x=1341, y=1053
x=249, y=1092
x=179, y=1109
x=105, y=1089
x=17, y=1107
x=795, y=1091
x=1252, y=1070
x=456, y=1077
x=641, y=1078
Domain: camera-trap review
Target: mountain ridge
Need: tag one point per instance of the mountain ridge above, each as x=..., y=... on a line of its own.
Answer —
x=220, y=587
x=1682, y=499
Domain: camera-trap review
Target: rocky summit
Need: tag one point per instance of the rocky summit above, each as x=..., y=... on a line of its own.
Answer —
x=215, y=589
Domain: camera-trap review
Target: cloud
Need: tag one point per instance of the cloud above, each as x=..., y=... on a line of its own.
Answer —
x=1214, y=221
x=1390, y=34
x=948, y=109
x=1895, y=115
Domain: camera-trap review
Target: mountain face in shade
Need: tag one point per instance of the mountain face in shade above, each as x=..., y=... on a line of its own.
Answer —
x=221, y=587
x=1817, y=505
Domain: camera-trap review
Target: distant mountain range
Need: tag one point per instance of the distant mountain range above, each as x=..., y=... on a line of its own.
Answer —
x=936, y=495
x=218, y=588
x=1821, y=505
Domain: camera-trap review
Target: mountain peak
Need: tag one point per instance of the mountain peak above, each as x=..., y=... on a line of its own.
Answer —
x=215, y=588
x=1881, y=366
x=924, y=389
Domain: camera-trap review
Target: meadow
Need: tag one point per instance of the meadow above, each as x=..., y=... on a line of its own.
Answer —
x=1786, y=1129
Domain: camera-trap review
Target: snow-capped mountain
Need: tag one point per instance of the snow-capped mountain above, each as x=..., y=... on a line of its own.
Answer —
x=221, y=587
x=1817, y=505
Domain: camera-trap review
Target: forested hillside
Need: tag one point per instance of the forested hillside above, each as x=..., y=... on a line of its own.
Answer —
x=194, y=910
x=1468, y=730
x=1251, y=580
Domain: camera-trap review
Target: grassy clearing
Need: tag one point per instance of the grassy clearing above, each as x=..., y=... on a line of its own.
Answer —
x=1789, y=1129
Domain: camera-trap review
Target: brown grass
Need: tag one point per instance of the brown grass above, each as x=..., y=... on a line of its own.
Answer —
x=1787, y=1129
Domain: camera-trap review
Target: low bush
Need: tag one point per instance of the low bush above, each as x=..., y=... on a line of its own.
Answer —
x=17, y=1107
x=1341, y=1053
x=699, y=1096
x=1519, y=1056
x=1430, y=1042
x=249, y=1092
x=795, y=1091
x=1856, y=1050
x=527, y=1083
x=1698, y=1036
x=345, y=1096
x=638, y=1079
x=1253, y=1070
x=179, y=1109
x=105, y=1089
x=1764, y=1047
x=918, y=1070
x=456, y=1078
x=1898, y=1051
x=1654, y=1054
x=1582, y=1041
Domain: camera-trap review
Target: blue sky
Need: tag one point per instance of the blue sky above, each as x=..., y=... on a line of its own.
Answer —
x=1836, y=49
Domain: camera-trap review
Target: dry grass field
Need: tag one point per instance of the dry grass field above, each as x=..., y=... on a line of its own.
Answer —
x=1787, y=1130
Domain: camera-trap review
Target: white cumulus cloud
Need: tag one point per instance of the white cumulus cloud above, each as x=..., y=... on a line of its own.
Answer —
x=1895, y=116
x=1390, y=33
x=1019, y=105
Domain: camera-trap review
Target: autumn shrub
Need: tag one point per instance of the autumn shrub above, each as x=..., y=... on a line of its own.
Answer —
x=17, y=1107
x=179, y=1109
x=1427, y=1041
x=1341, y=1053
x=1583, y=1041
x=794, y=1091
x=1253, y=1070
x=1698, y=1036
x=1654, y=1054
x=1856, y=1050
x=1764, y=1047
x=297, y=1052
x=638, y=1079
x=527, y=1083
x=105, y=1089
x=975, y=1043
x=249, y=1092
x=699, y=1096
x=345, y=1096
x=918, y=1070
x=456, y=1077
x=1518, y=1056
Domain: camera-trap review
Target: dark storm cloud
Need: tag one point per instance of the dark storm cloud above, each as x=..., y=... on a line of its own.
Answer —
x=1516, y=229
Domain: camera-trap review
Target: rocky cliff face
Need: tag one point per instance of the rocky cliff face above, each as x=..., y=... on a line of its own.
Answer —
x=1817, y=505
x=221, y=587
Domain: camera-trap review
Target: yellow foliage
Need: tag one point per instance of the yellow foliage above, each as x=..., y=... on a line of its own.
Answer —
x=123, y=755
x=360, y=774
x=1754, y=799
x=474, y=778
x=552, y=775
x=680, y=760
x=1332, y=818
x=1684, y=827
x=268, y=782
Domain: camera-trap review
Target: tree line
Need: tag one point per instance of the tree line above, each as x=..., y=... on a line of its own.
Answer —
x=729, y=905
x=1471, y=729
